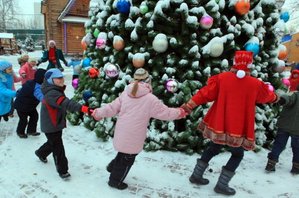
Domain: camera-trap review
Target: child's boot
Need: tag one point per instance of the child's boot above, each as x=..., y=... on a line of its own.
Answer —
x=222, y=184
x=122, y=165
x=295, y=168
x=196, y=177
x=270, y=167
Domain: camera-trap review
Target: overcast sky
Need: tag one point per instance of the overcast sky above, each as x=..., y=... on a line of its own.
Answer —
x=27, y=6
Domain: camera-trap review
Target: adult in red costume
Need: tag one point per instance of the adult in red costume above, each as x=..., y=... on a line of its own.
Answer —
x=230, y=120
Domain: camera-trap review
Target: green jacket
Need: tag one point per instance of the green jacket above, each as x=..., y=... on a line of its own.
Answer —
x=289, y=116
x=58, y=55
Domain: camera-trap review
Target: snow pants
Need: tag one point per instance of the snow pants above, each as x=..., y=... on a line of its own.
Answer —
x=54, y=145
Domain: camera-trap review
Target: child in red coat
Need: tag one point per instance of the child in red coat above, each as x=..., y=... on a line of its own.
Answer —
x=230, y=120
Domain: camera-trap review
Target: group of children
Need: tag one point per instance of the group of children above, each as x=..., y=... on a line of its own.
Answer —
x=230, y=120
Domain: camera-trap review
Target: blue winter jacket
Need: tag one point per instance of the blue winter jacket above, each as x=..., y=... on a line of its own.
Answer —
x=74, y=63
x=6, y=92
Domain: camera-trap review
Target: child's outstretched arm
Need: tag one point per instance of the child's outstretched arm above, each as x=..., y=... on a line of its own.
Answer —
x=162, y=112
x=109, y=110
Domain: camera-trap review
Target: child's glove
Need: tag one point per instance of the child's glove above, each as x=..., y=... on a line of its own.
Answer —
x=86, y=109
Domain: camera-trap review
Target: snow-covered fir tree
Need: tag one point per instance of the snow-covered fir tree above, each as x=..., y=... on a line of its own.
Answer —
x=181, y=43
x=29, y=44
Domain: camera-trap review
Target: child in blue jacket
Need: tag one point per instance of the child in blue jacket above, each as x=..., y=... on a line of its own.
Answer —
x=27, y=99
x=6, y=88
x=76, y=64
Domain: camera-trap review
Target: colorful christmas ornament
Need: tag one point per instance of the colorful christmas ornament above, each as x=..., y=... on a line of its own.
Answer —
x=87, y=38
x=75, y=83
x=285, y=16
x=96, y=33
x=270, y=87
x=280, y=67
x=100, y=43
x=118, y=43
x=86, y=62
x=93, y=72
x=206, y=21
x=83, y=43
x=86, y=95
x=253, y=45
x=111, y=70
x=286, y=82
x=138, y=60
x=216, y=47
x=282, y=52
x=171, y=85
x=123, y=6
x=160, y=43
x=242, y=7
x=143, y=8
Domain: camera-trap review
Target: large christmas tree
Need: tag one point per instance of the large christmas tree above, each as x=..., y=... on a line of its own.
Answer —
x=181, y=43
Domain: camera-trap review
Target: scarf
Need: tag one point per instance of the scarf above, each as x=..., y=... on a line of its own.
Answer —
x=52, y=56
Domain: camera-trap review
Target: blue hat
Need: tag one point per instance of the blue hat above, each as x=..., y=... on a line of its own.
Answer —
x=53, y=73
x=4, y=65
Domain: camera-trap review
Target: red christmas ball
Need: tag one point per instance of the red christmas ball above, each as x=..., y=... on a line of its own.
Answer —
x=93, y=72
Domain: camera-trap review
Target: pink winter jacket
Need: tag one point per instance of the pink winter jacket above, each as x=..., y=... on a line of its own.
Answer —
x=28, y=70
x=134, y=114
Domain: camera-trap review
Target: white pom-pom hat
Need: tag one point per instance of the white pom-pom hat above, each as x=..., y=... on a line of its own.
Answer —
x=242, y=63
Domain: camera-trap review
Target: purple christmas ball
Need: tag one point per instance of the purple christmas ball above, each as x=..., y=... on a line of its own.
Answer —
x=75, y=83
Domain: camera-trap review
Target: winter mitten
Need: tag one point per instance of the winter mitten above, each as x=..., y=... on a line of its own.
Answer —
x=87, y=110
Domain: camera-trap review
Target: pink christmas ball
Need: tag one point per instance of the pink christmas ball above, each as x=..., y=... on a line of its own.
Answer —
x=172, y=85
x=75, y=83
x=286, y=82
x=206, y=22
x=101, y=43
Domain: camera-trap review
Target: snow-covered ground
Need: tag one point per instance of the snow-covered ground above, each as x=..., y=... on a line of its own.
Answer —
x=154, y=174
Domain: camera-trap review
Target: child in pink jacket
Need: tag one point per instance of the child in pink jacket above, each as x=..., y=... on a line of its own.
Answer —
x=134, y=107
x=27, y=71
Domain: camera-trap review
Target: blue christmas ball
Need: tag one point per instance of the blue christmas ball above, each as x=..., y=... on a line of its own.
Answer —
x=86, y=95
x=253, y=47
x=123, y=6
x=86, y=62
x=285, y=16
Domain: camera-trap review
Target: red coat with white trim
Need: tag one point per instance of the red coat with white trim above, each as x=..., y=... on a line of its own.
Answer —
x=231, y=118
x=54, y=108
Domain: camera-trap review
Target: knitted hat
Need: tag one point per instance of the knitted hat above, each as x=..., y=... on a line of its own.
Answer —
x=141, y=75
x=53, y=73
x=4, y=65
x=39, y=76
x=52, y=41
x=294, y=80
x=242, y=62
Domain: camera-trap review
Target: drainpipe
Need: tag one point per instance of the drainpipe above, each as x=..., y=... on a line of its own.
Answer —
x=65, y=37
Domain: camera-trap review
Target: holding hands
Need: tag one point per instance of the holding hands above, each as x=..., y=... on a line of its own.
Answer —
x=87, y=110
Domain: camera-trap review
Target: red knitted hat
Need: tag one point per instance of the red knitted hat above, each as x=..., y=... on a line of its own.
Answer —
x=242, y=59
x=242, y=62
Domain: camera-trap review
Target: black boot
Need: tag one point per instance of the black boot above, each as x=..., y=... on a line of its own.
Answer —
x=295, y=168
x=222, y=184
x=121, y=167
x=270, y=167
x=110, y=166
x=199, y=169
